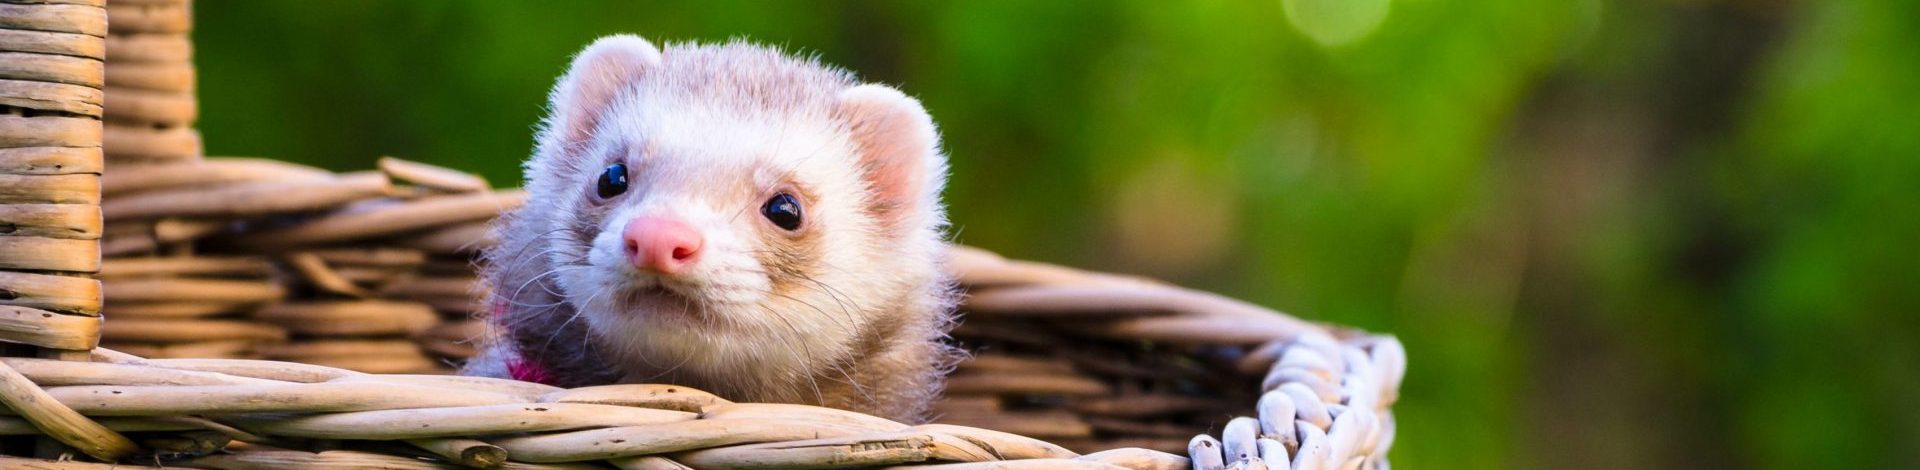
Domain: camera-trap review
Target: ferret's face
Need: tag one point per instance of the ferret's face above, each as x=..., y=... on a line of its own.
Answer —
x=725, y=205
x=732, y=225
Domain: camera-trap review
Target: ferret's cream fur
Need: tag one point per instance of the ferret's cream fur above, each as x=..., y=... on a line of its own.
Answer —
x=848, y=312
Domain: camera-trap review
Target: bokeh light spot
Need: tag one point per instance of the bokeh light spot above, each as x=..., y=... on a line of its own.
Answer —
x=1336, y=22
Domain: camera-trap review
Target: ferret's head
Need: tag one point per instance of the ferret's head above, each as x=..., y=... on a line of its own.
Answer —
x=727, y=204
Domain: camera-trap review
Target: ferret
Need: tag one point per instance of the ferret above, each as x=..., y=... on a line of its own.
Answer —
x=729, y=218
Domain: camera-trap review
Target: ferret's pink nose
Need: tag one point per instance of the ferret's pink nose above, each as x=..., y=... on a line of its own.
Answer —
x=662, y=245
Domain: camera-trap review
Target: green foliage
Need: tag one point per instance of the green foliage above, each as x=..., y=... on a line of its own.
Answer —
x=1611, y=234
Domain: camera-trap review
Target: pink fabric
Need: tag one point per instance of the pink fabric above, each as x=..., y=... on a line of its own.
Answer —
x=528, y=371
x=520, y=368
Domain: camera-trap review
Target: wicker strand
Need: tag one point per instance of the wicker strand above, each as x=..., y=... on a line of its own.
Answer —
x=440, y=408
x=58, y=421
x=467, y=452
x=1326, y=406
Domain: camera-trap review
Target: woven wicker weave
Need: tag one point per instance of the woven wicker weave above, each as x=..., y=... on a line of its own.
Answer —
x=368, y=271
x=1146, y=360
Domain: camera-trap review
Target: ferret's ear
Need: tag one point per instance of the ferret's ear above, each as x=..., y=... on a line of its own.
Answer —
x=899, y=152
x=595, y=79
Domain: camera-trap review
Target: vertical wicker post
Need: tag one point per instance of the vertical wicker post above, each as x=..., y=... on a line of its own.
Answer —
x=162, y=195
x=52, y=71
x=150, y=83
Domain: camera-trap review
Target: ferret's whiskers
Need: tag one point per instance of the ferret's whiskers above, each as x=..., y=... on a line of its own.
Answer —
x=849, y=325
x=563, y=325
x=663, y=372
x=532, y=279
x=806, y=358
x=851, y=382
x=686, y=305
x=837, y=297
x=836, y=294
x=520, y=254
x=542, y=277
x=513, y=300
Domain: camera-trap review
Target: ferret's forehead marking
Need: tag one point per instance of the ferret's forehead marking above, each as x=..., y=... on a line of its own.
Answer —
x=745, y=76
x=734, y=101
x=711, y=144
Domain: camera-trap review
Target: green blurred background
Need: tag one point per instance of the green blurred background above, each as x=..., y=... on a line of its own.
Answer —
x=1612, y=234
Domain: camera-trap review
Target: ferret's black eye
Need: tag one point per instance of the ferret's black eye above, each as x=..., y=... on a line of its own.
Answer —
x=614, y=181
x=783, y=210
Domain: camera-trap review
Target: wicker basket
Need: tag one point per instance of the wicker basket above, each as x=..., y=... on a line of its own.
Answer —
x=215, y=261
